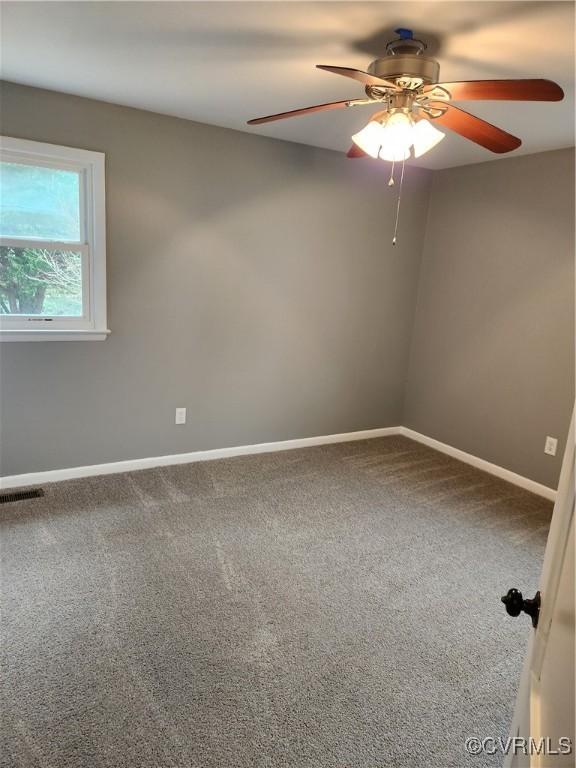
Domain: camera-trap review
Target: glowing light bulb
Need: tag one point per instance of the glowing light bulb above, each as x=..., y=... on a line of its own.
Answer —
x=397, y=138
x=425, y=137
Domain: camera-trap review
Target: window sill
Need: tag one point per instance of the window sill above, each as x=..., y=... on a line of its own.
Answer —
x=52, y=335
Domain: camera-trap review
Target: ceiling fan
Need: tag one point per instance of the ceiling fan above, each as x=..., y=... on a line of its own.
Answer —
x=414, y=104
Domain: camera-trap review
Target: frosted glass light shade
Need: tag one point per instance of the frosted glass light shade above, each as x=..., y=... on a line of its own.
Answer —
x=395, y=155
x=425, y=137
x=398, y=137
x=370, y=138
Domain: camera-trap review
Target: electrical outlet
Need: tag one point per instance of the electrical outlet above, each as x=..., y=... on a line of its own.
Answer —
x=180, y=416
x=550, y=446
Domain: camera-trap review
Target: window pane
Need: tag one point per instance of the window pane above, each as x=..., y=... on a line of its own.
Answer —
x=39, y=202
x=35, y=281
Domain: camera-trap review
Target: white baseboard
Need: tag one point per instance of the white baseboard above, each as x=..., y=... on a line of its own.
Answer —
x=71, y=473
x=485, y=466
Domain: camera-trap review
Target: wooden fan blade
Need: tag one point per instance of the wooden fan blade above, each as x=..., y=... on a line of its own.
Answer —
x=357, y=74
x=475, y=129
x=304, y=111
x=509, y=90
x=355, y=151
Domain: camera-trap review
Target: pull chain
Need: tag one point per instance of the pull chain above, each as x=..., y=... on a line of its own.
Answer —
x=398, y=203
x=391, y=179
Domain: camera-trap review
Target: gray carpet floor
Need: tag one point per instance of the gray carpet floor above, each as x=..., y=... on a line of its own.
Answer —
x=332, y=607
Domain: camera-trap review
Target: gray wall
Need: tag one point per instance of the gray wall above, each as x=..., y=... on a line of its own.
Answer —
x=250, y=280
x=492, y=360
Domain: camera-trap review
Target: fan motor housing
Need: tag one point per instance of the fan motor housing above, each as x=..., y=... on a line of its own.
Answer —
x=416, y=70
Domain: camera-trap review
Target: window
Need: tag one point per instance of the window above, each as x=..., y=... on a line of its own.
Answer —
x=52, y=242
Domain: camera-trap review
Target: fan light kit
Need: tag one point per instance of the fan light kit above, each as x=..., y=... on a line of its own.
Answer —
x=414, y=105
x=391, y=135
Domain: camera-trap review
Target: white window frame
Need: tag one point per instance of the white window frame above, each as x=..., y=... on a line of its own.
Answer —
x=92, y=244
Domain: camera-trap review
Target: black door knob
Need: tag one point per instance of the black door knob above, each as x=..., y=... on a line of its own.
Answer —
x=516, y=604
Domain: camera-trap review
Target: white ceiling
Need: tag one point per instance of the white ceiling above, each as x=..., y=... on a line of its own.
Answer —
x=225, y=62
